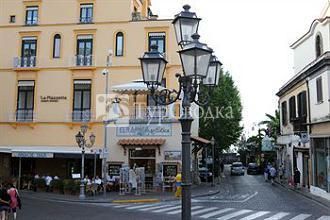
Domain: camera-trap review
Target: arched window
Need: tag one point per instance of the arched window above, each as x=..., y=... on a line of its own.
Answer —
x=57, y=46
x=318, y=46
x=119, y=44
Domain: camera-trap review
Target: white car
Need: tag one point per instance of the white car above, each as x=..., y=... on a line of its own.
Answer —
x=237, y=168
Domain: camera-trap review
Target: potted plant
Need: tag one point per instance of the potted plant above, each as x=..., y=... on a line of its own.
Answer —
x=57, y=186
x=76, y=187
x=40, y=184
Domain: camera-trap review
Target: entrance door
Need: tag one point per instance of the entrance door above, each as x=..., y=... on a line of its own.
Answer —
x=144, y=158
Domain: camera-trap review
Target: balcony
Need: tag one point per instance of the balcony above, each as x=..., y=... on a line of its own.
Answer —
x=25, y=115
x=83, y=61
x=86, y=20
x=25, y=62
x=81, y=116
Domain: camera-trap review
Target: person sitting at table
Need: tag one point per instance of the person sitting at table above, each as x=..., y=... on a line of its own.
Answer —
x=99, y=183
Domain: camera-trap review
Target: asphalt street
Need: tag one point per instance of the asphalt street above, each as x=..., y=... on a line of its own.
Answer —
x=242, y=197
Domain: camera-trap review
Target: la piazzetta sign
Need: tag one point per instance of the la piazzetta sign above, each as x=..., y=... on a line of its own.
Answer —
x=50, y=98
x=145, y=130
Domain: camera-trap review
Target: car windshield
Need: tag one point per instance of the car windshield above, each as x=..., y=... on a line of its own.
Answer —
x=252, y=165
x=237, y=165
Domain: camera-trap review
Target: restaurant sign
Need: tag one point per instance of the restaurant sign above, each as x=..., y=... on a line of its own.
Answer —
x=50, y=98
x=32, y=155
x=145, y=130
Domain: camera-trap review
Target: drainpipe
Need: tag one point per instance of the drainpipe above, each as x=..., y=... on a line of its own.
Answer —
x=311, y=160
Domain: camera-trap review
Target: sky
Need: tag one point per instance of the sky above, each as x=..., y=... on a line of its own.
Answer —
x=252, y=39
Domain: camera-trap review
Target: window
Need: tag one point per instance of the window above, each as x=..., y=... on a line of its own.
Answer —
x=28, y=52
x=12, y=19
x=119, y=44
x=318, y=46
x=292, y=108
x=302, y=105
x=284, y=113
x=25, y=101
x=159, y=40
x=31, y=15
x=82, y=100
x=319, y=90
x=57, y=46
x=86, y=13
x=84, y=50
x=321, y=155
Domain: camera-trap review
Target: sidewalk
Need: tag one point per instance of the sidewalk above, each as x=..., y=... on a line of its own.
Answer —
x=306, y=194
x=202, y=190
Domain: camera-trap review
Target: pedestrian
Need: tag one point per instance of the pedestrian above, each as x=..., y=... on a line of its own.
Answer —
x=266, y=173
x=178, y=190
x=48, y=180
x=272, y=172
x=15, y=201
x=281, y=172
x=4, y=202
x=296, y=178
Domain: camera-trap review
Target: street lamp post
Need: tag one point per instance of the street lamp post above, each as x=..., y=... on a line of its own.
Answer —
x=213, y=159
x=83, y=144
x=105, y=147
x=196, y=58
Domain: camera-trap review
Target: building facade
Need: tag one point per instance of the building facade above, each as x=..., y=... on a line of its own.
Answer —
x=311, y=65
x=51, y=62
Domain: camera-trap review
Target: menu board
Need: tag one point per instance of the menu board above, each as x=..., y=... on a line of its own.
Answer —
x=169, y=170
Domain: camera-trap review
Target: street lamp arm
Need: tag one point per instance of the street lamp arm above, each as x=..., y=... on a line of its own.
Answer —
x=202, y=98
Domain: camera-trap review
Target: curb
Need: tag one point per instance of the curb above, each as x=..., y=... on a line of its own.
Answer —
x=319, y=201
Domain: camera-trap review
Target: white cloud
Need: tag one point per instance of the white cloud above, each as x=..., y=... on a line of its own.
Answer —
x=252, y=40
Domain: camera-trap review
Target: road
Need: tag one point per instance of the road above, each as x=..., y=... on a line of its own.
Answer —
x=242, y=197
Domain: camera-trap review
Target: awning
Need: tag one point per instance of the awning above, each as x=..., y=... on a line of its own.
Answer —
x=136, y=86
x=200, y=143
x=141, y=142
x=42, y=151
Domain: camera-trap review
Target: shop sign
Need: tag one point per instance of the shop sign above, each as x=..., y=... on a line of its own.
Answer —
x=145, y=130
x=50, y=98
x=32, y=155
x=172, y=155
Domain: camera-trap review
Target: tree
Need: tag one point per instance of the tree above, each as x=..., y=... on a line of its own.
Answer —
x=273, y=124
x=222, y=116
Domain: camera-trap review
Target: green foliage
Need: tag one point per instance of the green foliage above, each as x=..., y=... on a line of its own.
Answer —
x=222, y=117
x=57, y=185
x=273, y=124
x=68, y=184
x=40, y=183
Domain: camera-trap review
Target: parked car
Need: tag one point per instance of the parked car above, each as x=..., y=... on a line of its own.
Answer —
x=253, y=168
x=205, y=175
x=237, y=168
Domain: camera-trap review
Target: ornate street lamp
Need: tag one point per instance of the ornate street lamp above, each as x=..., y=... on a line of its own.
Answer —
x=195, y=59
x=153, y=66
x=185, y=25
x=83, y=144
x=213, y=74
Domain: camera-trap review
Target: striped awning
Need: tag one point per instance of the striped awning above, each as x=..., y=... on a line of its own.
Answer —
x=141, y=142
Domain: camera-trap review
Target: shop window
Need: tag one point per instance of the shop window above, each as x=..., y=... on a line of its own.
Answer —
x=284, y=113
x=25, y=101
x=319, y=90
x=292, y=108
x=159, y=40
x=119, y=44
x=57, y=46
x=82, y=100
x=321, y=155
x=31, y=15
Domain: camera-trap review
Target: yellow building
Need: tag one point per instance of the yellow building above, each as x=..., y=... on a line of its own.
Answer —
x=52, y=55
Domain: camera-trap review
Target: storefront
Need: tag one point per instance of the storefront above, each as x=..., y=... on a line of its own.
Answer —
x=24, y=162
x=321, y=164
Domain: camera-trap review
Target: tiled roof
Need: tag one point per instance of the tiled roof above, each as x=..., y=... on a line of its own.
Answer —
x=141, y=142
